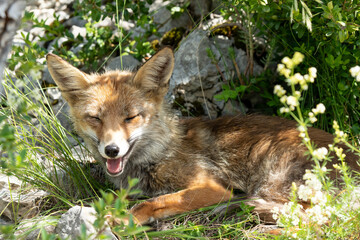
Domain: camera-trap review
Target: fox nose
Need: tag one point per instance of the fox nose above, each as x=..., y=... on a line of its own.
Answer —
x=112, y=150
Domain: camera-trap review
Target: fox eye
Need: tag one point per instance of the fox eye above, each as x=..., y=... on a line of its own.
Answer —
x=129, y=119
x=94, y=118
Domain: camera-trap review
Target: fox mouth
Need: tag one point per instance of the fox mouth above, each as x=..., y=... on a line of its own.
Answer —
x=115, y=166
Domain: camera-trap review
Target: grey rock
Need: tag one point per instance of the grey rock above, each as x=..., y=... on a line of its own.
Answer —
x=200, y=8
x=26, y=200
x=44, y=14
x=75, y=30
x=70, y=223
x=38, y=31
x=61, y=111
x=191, y=61
x=107, y=22
x=233, y=108
x=162, y=17
x=75, y=21
x=46, y=77
x=30, y=229
x=128, y=63
x=53, y=93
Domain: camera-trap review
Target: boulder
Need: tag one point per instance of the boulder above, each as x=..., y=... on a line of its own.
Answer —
x=126, y=62
x=69, y=225
x=16, y=201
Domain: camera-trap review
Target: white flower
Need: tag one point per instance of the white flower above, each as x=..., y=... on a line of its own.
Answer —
x=320, y=108
x=320, y=153
x=317, y=215
x=288, y=62
x=302, y=128
x=297, y=58
x=312, y=181
x=319, y=198
x=304, y=192
x=284, y=110
x=339, y=152
x=297, y=94
x=275, y=211
x=279, y=90
x=280, y=67
x=312, y=72
x=355, y=72
x=312, y=117
x=292, y=101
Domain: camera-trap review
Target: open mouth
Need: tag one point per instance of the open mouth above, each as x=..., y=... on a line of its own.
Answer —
x=115, y=166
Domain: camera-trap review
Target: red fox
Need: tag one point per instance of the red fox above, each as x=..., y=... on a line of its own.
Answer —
x=184, y=164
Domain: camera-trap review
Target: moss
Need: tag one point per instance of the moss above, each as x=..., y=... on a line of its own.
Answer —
x=173, y=37
x=155, y=44
x=230, y=31
x=226, y=30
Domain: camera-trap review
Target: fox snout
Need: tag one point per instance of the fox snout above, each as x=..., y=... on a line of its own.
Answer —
x=112, y=150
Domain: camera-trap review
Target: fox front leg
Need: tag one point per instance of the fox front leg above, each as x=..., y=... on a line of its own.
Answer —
x=189, y=199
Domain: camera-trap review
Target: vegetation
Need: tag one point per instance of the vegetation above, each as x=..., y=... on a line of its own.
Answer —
x=325, y=37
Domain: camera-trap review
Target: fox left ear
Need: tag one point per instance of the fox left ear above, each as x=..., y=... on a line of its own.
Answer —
x=153, y=77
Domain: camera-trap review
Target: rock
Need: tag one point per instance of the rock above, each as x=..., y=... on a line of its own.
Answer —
x=128, y=63
x=80, y=153
x=162, y=17
x=106, y=22
x=69, y=225
x=75, y=21
x=44, y=14
x=53, y=93
x=200, y=8
x=46, y=77
x=75, y=30
x=61, y=111
x=30, y=229
x=195, y=74
x=25, y=200
x=191, y=61
x=233, y=108
x=58, y=41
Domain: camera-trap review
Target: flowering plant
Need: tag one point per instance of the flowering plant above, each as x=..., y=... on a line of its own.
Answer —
x=332, y=213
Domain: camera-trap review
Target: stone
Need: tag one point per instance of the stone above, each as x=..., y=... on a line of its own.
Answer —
x=75, y=21
x=46, y=77
x=191, y=61
x=233, y=108
x=69, y=225
x=25, y=200
x=61, y=111
x=75, y=30
x=106, y=22
x=128, y=63
x=29, y=229
x=162, y=17
x=200, y=8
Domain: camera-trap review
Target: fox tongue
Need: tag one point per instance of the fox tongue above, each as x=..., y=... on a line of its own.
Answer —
x=114, y=165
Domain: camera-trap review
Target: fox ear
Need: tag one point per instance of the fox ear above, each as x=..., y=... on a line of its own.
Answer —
x=68, y=78
x=153, y=77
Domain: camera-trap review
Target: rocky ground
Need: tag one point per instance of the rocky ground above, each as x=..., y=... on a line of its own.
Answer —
x=194, y=83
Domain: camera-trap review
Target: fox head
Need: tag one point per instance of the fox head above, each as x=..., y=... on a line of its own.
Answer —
x=112, y=110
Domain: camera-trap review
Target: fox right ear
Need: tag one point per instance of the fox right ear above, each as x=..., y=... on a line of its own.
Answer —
x=153, y=77
x=67, y=77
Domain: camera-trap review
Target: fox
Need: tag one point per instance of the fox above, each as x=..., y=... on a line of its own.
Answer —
x=183, y=164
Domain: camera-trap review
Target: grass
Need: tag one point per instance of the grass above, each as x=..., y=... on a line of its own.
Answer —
x=70, y=182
